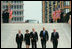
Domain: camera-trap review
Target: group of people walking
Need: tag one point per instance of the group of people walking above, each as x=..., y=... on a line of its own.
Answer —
x=33, y=37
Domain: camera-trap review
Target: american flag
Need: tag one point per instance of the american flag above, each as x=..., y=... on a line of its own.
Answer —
x=56, y=14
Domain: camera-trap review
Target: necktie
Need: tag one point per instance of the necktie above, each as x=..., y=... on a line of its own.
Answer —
x=54, y=33
x=43, y=33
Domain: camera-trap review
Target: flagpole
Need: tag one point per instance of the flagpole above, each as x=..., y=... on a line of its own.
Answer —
x=55, y=10
x=9, y=7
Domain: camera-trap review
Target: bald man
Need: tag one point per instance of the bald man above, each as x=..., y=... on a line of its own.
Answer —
x=54, y=38
x=44, y=37
x=34, y=38
x=19, y=39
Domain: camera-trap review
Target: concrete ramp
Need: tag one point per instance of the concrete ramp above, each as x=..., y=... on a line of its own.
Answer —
x=9, y=31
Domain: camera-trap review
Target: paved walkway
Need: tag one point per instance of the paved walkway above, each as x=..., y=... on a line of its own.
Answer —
x=9, y=31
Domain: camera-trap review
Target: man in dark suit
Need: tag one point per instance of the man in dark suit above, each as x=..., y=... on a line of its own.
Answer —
x=44, y=37
x=54, y=38
x=5, y=16
x=34, y=38
x=66, y=18
x=62, y=16
x=19, y=39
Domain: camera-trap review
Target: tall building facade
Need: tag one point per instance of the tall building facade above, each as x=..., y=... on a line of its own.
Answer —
x=17, y=8
x=49, y=6
x=66, y=5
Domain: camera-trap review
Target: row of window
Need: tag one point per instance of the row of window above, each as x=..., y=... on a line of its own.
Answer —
x=16, y=1
x=5, y=1
x=66, y=3
x=54, y=2
x=13, y=1
x=13, y=6
x=17, y=6
x=17, y=19
x=16, y=13
x=66, y=10
x=5, y=6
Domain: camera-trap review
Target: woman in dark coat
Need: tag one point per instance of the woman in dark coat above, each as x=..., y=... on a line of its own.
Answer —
x=27, y=39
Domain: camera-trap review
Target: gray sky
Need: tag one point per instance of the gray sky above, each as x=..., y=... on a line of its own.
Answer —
x=33, y=10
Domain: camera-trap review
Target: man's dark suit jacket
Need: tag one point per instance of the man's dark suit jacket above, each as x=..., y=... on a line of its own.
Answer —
x=54, y=37
x=19, y=39
x=34, y=36
x=46, y=37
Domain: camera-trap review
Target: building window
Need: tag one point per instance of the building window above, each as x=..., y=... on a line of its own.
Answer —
x=58, y=6
x=17, y=12
x=50, y=15
x=53, y=2
x=17, y=18
x=20, y=12
x=6, y=6
x=17, y=7
x=17, y=1
x=3, y=1
x=14, y=12
x=21, y=1
x=58, y=2
x=11, y=1
x=68, y=3
x=14, y=1
x=3, y=6
x=49, y=3
x=14, y=6
x=66, y=10
x=54, y=5
x=20, y=18
x=21, y=6
x=12, y=18
x=53, y=9
x=6, y=1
